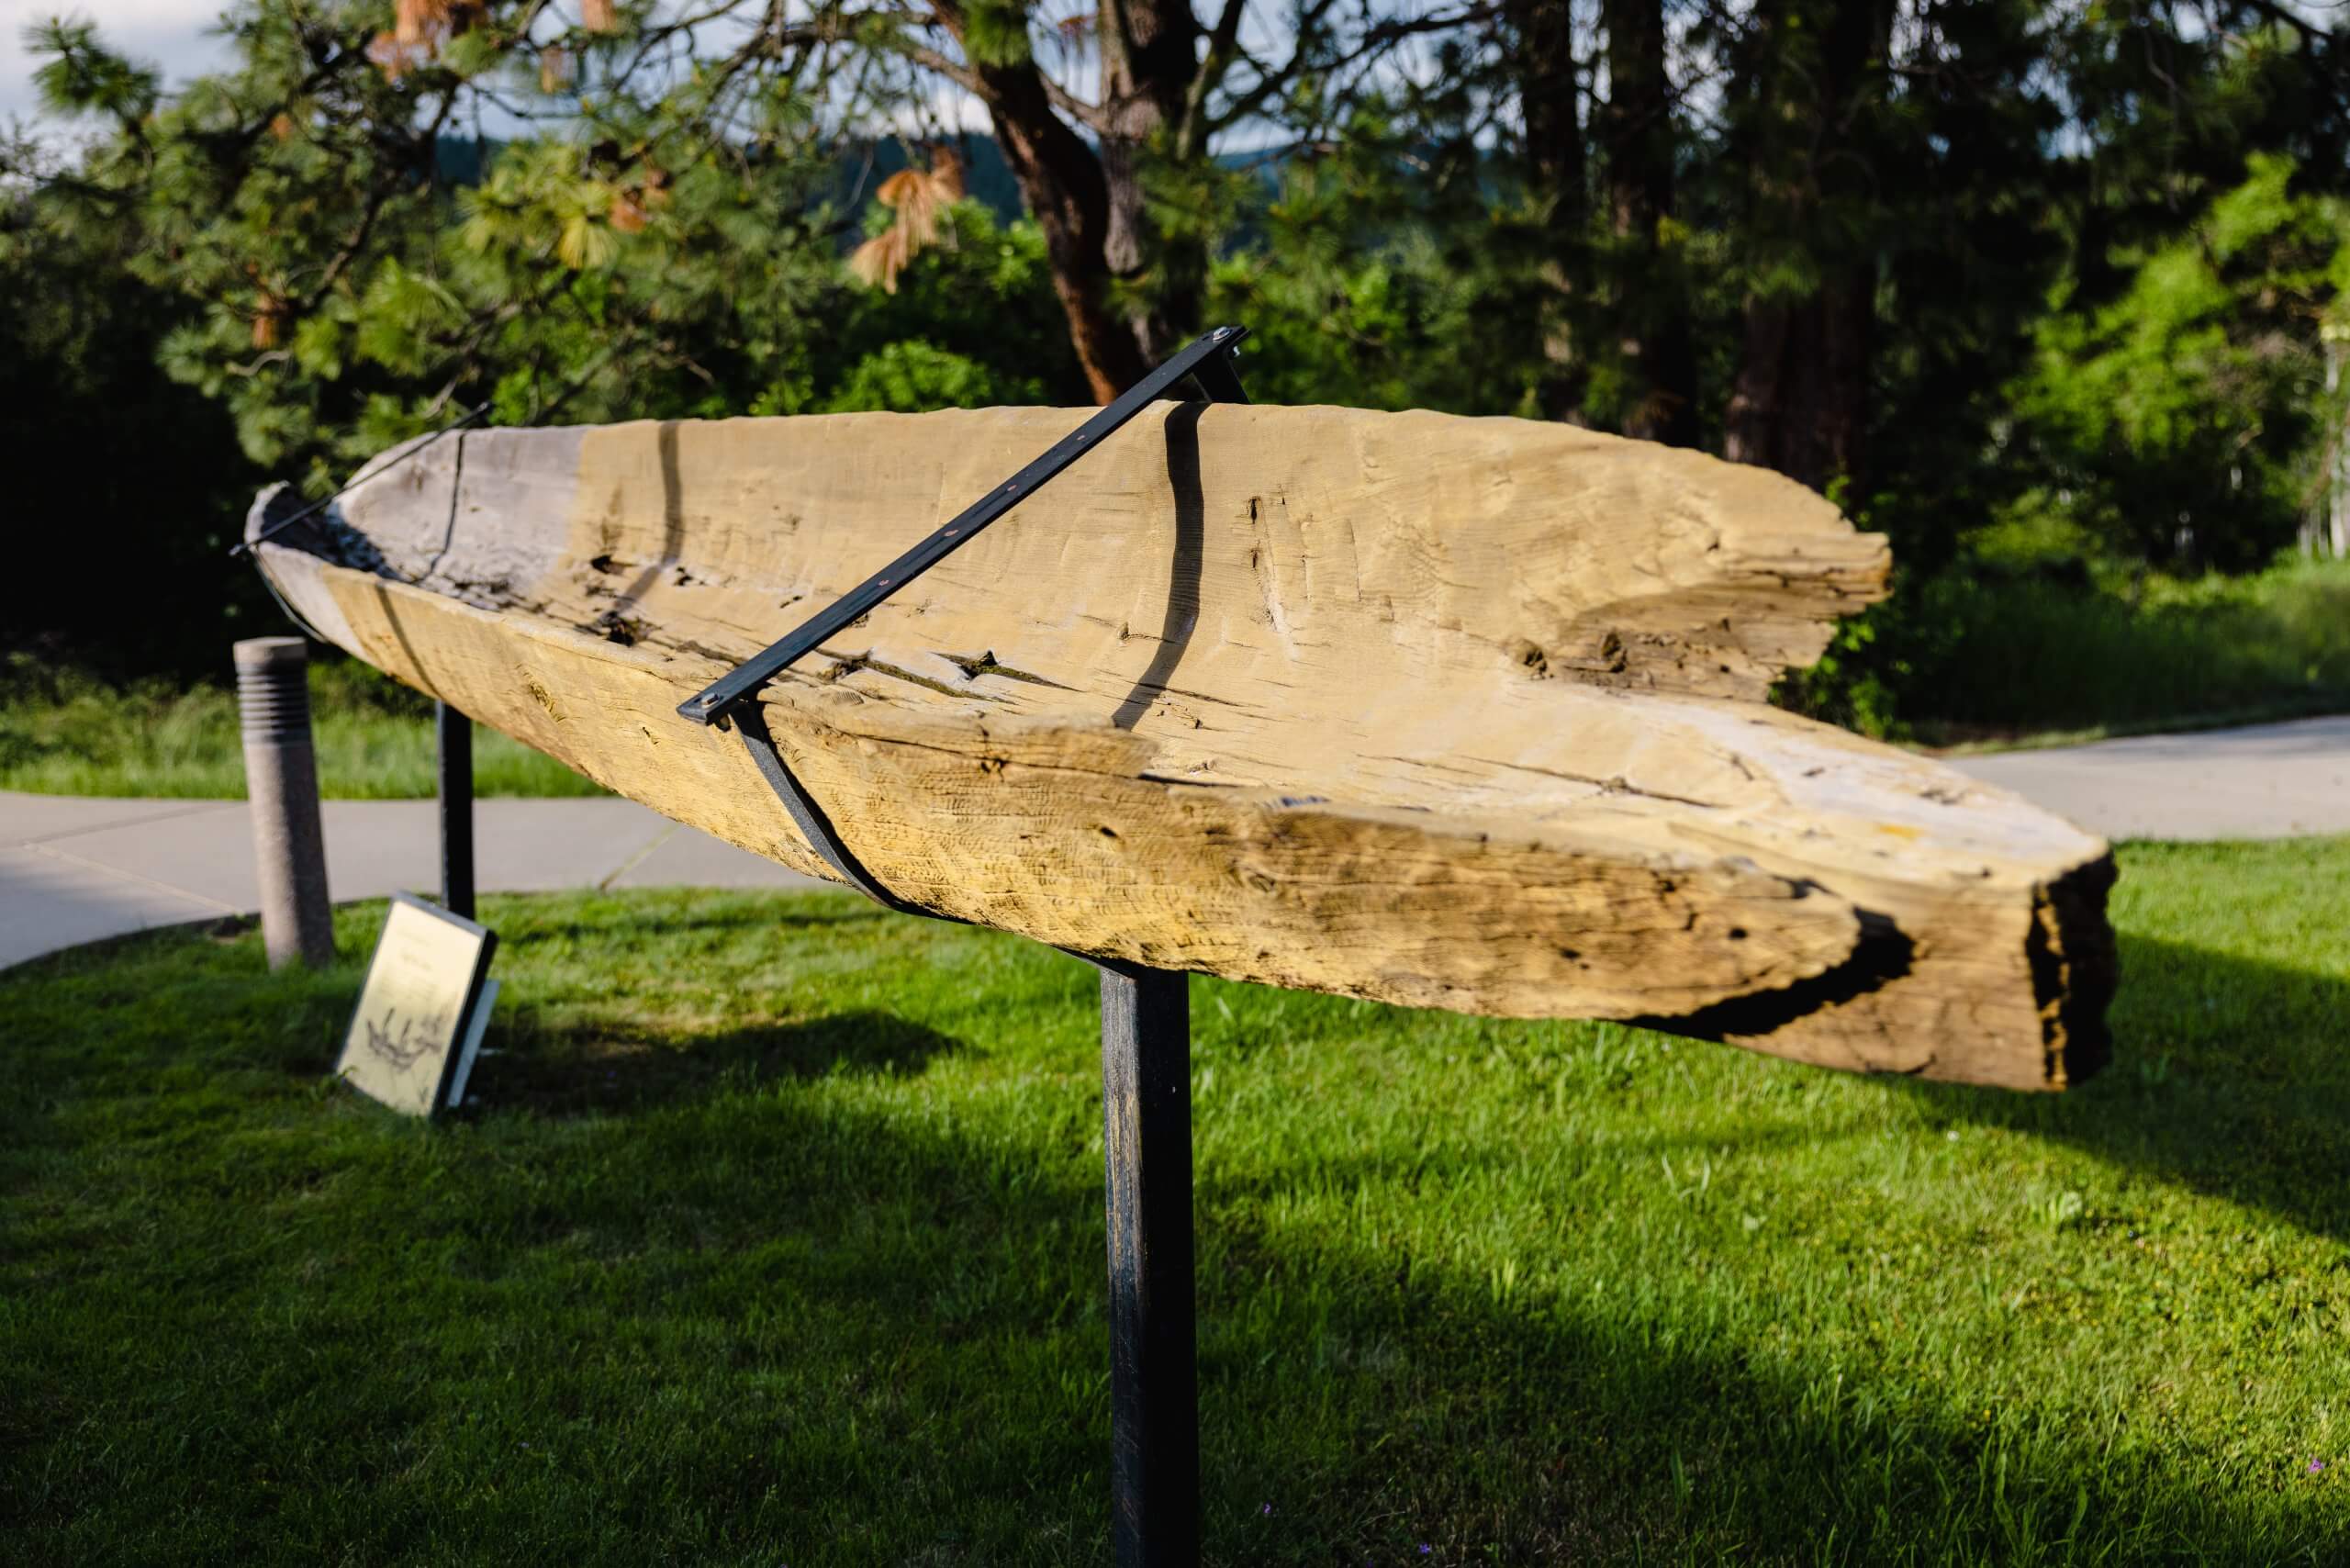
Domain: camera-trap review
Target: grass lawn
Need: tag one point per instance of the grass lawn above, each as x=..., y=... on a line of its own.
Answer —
x=779, y=1241
x=62, y=734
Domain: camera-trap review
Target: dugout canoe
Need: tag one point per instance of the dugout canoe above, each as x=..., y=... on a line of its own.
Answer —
x=1453, y=712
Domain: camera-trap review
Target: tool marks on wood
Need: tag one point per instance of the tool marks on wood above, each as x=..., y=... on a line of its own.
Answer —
x=1466, y=716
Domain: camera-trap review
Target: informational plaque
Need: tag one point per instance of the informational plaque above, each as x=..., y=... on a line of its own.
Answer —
x=418, y=1007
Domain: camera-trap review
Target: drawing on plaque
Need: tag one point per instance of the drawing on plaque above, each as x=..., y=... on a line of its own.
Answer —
x=417, y=1006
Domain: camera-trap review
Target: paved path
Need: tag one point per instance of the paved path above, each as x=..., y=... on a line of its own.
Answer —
x=73, y=870
x=2265, y=781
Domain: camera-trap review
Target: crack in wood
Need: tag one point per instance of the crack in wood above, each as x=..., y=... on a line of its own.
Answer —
x=1616, y=784
x=974, y=666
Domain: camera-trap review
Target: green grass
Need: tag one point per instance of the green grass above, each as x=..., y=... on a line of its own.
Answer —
x=2022, y=658
x=62, y=734
x=779, y=1240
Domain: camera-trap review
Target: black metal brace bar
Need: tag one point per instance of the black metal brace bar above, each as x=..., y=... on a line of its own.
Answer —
x=809, y=818
x=1207, y=361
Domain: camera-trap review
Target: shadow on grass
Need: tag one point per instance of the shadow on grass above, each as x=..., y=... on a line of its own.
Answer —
x=1383, y=1401
x=803, y=1327
x=2230, y=1074
x=576, y=1069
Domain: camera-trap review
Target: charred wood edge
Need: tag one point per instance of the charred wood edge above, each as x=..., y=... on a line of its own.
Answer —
x=2076, y=968
x=272, y=513
x=2068, y=948
x=278, y=525
x=272, y=526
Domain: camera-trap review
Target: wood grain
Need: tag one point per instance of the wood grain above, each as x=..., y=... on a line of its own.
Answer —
x=1451, y=713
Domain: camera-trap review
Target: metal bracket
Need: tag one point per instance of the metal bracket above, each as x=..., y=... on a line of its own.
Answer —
x=809, y=818
x=1207, y=360
x=733, y=697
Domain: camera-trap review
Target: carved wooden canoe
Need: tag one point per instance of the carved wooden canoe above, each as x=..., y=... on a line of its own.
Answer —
x=1454, y=712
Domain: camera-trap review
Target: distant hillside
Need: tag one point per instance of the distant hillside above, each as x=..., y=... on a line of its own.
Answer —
x=461, y=160
x=863, y=165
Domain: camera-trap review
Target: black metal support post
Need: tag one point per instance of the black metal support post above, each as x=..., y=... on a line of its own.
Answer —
x=454, y=733
x=1146, y=1028
x=1146, y=1149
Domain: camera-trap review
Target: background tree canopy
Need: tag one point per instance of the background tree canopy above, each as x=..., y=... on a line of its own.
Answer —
x=2042, y=290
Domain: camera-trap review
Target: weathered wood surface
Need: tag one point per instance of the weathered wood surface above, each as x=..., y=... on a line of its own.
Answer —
x=1451, y=713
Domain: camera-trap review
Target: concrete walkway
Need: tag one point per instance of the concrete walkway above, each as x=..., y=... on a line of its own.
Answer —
x=73, y=870
x=2264, y=782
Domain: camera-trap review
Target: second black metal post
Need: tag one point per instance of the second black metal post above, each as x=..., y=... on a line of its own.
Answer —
x=453, y=738
x=1146, y=1149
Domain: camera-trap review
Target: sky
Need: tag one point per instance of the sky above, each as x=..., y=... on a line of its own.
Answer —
x=168, y=34
x=175, y=37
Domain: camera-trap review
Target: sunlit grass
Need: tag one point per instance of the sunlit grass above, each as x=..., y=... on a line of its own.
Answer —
x=62, y=734
x=777, y=1239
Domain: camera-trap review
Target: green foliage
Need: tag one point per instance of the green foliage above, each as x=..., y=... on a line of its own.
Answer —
x=2094, y=250
x=286, y=243
x=2182, y=418
x=777, y=1237
x=81, y=75
x=124, y=490
x=1364, y=287
x=907, y=378
x=346, y=295
x=674, y=255
x=973, y=322
x=996, y=32
x=1999, y=649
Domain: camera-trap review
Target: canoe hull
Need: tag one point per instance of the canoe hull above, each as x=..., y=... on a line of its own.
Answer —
x=1686, y=858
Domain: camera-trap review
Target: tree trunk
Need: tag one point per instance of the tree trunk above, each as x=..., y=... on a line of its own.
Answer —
x=1800, y=403
x=1148, y=50
x=1062, y=182
x=1659, y=359
x=1540, y=38
x=1099, y=239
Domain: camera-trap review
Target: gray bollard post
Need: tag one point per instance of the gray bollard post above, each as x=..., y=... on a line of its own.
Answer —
x=282, y=786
